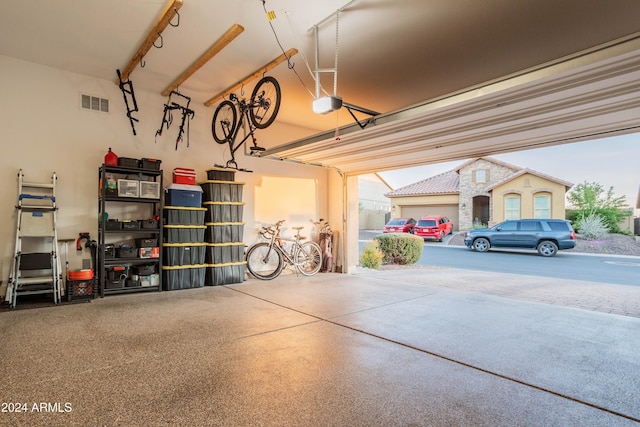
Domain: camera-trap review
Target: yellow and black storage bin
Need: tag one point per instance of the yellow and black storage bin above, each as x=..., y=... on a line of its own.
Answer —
x=183, y=276
x=222, y=200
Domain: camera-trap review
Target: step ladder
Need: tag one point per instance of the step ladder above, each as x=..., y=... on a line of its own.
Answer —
x=36, y=267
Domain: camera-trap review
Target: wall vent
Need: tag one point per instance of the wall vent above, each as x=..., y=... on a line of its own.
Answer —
x=94, y=103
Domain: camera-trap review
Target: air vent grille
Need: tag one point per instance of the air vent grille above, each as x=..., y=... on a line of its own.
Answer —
x=94, y=103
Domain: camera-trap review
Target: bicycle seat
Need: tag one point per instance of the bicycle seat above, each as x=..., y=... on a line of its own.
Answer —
x=297, y=228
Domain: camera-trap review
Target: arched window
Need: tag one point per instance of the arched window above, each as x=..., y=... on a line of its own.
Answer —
x=512, y=206
x=542, y=205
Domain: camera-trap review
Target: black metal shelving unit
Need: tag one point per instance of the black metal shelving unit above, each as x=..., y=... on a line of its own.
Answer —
x=106, y=236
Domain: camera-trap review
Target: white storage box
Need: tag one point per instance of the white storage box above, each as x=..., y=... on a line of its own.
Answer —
x=128, y=188
x=149, y=190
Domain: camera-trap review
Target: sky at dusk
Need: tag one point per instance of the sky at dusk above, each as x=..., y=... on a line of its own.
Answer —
x=610, y=162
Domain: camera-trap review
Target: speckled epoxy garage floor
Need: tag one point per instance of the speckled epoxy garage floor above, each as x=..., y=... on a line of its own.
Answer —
x=389, y=349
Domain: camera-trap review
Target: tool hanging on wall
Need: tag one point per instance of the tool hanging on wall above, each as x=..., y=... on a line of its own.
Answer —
x=167, y=117
x=127, y=89
x=83, y=236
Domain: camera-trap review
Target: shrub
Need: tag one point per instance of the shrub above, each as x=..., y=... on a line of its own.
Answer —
x=588, y=199
x=592, y=227
x=400, y=248
x=477, y=224
x=371, y=255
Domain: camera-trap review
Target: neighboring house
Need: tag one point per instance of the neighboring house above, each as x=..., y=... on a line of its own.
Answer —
x=483, y=190
x=373, y=205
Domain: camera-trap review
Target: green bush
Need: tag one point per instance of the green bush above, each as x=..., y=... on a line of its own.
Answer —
x=588, y=199
x=400, y=248
x=371, y=255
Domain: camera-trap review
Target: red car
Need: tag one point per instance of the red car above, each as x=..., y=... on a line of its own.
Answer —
x=400, y=225
x=434, y=227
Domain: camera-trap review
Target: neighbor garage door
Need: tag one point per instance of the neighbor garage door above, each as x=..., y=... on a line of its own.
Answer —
x=418, y=211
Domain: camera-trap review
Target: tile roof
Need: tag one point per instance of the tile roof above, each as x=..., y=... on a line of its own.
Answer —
x=448, y=182
x=488, y=159
x=444, y=183
x=524, y=171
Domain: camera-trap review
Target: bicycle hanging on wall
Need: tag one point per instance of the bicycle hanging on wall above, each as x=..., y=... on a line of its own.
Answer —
x=258, y=112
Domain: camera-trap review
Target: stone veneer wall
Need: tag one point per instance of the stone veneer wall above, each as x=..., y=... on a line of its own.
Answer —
x=470, y=189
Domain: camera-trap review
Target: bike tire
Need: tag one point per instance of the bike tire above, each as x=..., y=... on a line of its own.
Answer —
x=308, y=258
x=265, y=102
x=264, y=262
x=224, y=122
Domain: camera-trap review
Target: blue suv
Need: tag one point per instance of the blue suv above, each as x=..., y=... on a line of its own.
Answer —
x=547, y=236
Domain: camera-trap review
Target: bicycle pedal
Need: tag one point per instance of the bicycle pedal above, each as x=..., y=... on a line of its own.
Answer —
x=256, y=148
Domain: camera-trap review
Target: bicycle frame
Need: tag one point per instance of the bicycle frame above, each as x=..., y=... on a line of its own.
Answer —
x=275, y=242
x=258, y=112
x=243, y=108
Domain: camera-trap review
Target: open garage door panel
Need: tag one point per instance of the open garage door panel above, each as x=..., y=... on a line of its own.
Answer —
x=418, y=211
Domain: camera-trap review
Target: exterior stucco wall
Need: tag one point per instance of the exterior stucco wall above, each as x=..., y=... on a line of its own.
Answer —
x=527, y=187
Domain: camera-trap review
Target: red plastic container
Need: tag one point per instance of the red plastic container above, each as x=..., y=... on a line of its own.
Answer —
x=111, y=158
x=184, y=176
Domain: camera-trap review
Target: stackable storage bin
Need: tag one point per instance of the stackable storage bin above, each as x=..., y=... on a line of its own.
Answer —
x=128, y=162
x=184, y=253
x=224, y=253
x=222, y=191
x=223, y=211
x=224, y=274
x=218, y=174
x=116, y=276
x=222, y=199
x=183, y=195
x=183, y=248
x=153, y=164
x=183, y=277
x=184, y=233
x=183, y=215
x=224, y=232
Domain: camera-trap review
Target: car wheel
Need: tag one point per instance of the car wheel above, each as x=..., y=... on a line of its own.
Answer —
x=481, y=244
x=441, y=236
x=547, y=248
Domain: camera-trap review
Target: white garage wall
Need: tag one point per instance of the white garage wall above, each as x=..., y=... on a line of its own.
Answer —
x=45, y=130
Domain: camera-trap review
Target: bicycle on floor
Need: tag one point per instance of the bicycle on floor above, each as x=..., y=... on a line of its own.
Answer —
x=256, y=113
x=267, y=259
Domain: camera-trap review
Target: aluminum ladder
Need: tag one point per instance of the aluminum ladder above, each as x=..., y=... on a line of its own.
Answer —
x=36, y=267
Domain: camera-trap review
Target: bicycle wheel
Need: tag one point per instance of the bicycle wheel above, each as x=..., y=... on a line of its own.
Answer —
x=264, y=262
x=224, y=122
x=265, y=102
x=308, y=258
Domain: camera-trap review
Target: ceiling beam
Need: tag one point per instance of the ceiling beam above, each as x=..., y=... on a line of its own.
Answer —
x=167, y=15
x=234, y=31
x=284, y=57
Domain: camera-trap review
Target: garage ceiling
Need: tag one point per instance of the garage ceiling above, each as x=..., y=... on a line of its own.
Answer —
x=452, y=79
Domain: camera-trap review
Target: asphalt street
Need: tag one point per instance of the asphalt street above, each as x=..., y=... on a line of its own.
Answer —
x=565, y=265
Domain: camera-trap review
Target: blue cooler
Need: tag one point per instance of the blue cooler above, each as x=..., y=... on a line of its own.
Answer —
x=183, y=195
